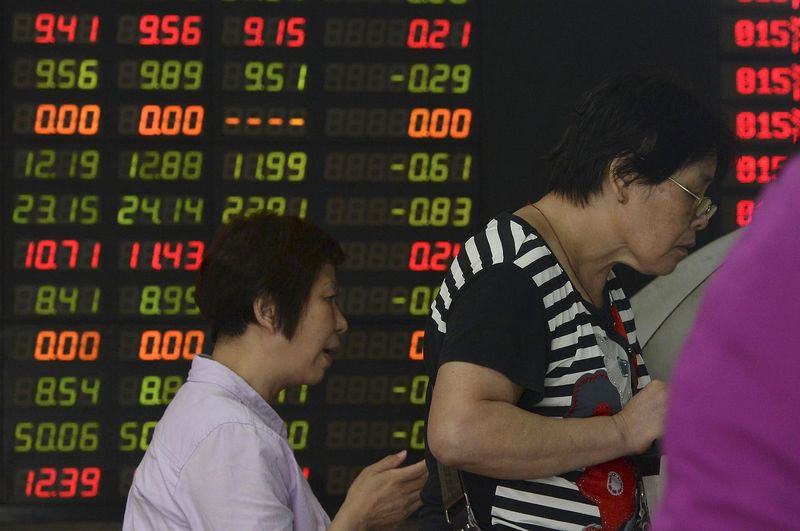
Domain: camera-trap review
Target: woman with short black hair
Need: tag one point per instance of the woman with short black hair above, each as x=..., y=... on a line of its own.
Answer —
x=219, y=458
x=539, y=393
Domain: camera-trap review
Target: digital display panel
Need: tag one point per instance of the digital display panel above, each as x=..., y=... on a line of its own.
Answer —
x=132, y=130
x=760, y=86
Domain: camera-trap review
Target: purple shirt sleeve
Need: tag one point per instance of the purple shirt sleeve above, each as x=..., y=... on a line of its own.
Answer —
x=732, y=430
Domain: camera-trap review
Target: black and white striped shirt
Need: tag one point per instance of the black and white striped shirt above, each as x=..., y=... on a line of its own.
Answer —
x=506, y=303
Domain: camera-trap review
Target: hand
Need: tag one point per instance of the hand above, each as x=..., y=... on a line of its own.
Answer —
x=383, y=494
x=641, y=421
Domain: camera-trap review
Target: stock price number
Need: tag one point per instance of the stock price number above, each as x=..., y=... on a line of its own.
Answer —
x=258, y=76
x=160, y=30
x=161, y=255
x=398, y=211
x=55, y=300
x=160, y=210
x=272, y=166
x=57, y=391
x=766, y=125
x=55, y=28
x=63, y=119
x=751, y=169
x=416, y=78
x=62, y=437
x=238, y=206
x=375, y=435
x=382, y=345
x=158, y=300
x=420, y=122
x=376, y=390
x=417, y=33
x=399, y=256
x=150, y=390
x=161, y=120
x=55, y=345
x=289, y=32
x=162, y=75
x=56, y=164
x=416, y=167
x=53, y=482
x=774, y=33
x=135, y=436
x=48, y=73
x=769, y=81
x=386, y=300
x=51, y=209
x=51, y=255
x=155, y=165
x=154, y=345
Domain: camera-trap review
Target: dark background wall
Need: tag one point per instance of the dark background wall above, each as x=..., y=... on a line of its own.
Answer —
x=539, y=56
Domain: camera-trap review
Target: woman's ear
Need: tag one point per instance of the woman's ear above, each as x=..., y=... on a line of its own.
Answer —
x=617, y=184
x=264, y=312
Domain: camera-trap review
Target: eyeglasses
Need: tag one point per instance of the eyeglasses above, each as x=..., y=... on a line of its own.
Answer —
x=703, y=207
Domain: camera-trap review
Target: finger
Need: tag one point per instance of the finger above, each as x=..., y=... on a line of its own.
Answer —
x=387, y=463
x=418, y=469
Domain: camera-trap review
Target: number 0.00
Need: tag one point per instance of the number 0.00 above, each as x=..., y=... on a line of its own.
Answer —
x=67, y=119
x=439, y=123
x=171, y=120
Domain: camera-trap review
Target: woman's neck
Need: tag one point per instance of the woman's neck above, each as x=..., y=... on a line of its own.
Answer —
x=581, y=238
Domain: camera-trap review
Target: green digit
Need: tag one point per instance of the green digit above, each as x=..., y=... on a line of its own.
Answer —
x=87, y=74
x=418, y=435
x=45, y=391
x=96, y=292
x=298, y=434
x=150, y=391
x=69, y=295
x=150, y=301
x=66, y=386
x=192, y=166
x=194, y=206
x=45, y=73
x=91, y=387
x=128, y=439
x=301, y=79
x=275, y=77
x=461, y=75
x=45, y=300
x=152, y=205
x=89, y=437
x=24, y=441
x=418, y=78
x=297, y=163
x=148, y=71
x=66, y=73
x=276, y=161
x=254, y=73
x=171, y=75
x=193, y=71
x=90, y=164
x=171, y=165
x=173, y=296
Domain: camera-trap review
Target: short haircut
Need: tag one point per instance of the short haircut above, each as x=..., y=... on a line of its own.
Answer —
x=264, y=254
x=654, y=123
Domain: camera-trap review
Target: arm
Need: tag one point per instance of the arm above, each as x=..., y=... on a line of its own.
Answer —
x=474, y=425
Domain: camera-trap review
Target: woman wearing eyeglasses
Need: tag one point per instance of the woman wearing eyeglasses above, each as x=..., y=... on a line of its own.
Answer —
x=540, y=393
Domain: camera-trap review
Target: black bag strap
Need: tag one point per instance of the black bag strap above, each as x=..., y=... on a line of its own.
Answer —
x=457, y=509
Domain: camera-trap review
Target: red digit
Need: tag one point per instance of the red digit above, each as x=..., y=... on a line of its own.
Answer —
x=45, y=24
